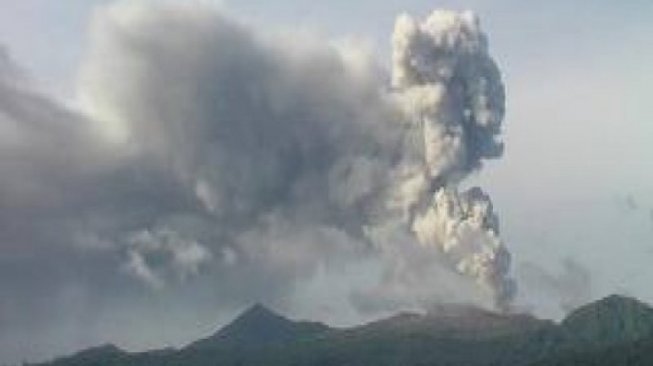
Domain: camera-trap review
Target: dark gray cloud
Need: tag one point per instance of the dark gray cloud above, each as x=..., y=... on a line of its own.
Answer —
x=61, y=192
x=256, y=132
x=247, y=162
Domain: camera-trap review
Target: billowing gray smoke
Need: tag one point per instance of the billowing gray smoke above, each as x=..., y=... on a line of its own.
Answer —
x=204, y=158
x=264, y=136
x=261, y=132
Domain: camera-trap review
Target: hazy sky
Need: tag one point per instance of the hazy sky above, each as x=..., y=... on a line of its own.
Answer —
x=573, y=190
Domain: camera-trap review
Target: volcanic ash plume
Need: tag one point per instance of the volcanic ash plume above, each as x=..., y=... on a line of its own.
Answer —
x=451, y=94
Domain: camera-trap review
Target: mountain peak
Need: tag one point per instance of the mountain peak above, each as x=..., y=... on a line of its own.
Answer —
x=622, y=301
x=258, y=311
x=615, y=318
x=255, y=318
x=611, y=306
x=260, y=326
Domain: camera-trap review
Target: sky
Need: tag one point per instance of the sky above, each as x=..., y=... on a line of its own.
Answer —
x=148, y=243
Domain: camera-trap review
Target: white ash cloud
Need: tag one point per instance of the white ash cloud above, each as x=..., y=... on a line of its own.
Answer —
x=465, y=228
x=452, y=97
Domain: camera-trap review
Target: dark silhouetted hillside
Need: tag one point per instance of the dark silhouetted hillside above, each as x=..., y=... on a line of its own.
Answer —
x=612, y=331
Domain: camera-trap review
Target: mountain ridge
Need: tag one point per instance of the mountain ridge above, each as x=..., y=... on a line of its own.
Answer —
x=458, y=335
